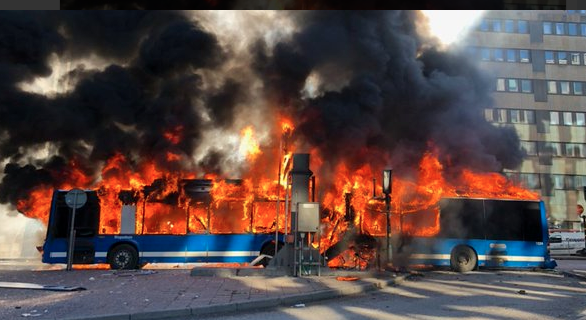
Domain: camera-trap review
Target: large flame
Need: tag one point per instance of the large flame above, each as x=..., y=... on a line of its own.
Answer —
x=250, y=204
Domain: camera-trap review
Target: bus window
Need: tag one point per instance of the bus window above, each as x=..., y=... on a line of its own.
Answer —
x=86, y=217
x=532, y=227
x=461, y=219
x=504, y=220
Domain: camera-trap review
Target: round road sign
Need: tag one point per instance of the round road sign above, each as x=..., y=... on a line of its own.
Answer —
x=75, y=198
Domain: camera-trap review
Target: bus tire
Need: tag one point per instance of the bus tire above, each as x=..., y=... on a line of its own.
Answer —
x=463, y=259
x=123, y=256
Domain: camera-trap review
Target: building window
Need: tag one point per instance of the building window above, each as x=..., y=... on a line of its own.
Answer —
x=549, y=57
x=513, y=87
x=515, y=116
x=575, y=58
x=529, y=116
x=583, y=29
x=567, y=118
x=530, y=147
x=572, y=29
x=529, y=180
x=489, y=115
x=577, y=86
x=554, y=118
x=500, y=84
x=524, y=55
x=526, y=86
x=580, y=120
x=511, y=55
x=496, y=26
x=547, y=29
x=552, y=149
x=498, y=55
x=564, y=87
x=559, y=28
x=562, y=58
x=575, y=150
x=501, y=116
x=557, y=181
x=509, y=26
x=522, y=26
x=484, y=25
x=552, y=87
x=579, y=181
x=485, y=54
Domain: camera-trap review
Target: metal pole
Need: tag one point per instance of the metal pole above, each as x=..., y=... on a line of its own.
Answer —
x=389, y=249
x=71, y=235
x=278, y=197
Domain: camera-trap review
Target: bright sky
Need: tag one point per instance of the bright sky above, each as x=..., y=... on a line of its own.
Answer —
x=449, y=25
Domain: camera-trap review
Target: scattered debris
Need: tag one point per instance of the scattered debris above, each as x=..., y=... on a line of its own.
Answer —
x=92, y=278
x=522, y=292
x=347, y=278
x=34, y=286
x=299, y=305
x=33, y=313
x=132, y=273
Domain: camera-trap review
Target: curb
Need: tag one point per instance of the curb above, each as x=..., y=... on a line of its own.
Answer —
x=251, y=305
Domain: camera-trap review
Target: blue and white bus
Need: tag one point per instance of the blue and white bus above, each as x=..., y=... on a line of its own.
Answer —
x=480, y=233
x=131, y=250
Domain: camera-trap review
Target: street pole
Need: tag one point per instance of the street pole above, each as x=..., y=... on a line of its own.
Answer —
x=71, y=234
x=387, y=190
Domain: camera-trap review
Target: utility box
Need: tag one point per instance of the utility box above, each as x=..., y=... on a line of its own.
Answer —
x=128, y=220
x=308, y=217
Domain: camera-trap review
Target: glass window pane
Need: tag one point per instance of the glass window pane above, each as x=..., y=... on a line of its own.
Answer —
x=484, y=25
x=562, y=58
x=559, y=28
x=498, y=55
x=530, y=147
x=549, y=57
x=489, y=115
x=511, y=55
x=529, y=116
x=513, y=85
x=554, y=118
x=522, y=26
x=509, y=26
x=580, y=119
x=526, y=86
x=552, y=87
x=556, y=149
x=570, y=183
x=577, y=88
x=500, y=84
x=496, y=26
x=583, y=29
x=485, y=54
x=524, y=55
x=567, y=118
x=575, y=58
x=565, y=87
x=584, y=59
x=572, y=29
x=515, y=116
x=502, y=115
x=557, y=181
x=580, y=181
x=547, y=29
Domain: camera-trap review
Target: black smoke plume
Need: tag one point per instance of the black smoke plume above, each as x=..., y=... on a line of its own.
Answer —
x=381, y=94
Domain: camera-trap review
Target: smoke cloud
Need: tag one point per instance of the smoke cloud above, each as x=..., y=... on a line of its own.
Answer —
x=361, y=87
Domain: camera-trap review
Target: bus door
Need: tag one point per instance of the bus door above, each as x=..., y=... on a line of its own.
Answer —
x=86, y=228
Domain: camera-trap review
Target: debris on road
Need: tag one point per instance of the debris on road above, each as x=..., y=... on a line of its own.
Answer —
x=34, y=286
x=522, y=292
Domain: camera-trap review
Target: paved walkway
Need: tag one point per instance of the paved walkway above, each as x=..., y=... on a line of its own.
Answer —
x=153, y=294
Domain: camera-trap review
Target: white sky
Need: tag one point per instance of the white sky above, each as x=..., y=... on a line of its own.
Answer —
x=450, y=25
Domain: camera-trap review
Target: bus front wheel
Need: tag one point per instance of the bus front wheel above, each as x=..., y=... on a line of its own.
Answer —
x=123, y=256
x=463, y=259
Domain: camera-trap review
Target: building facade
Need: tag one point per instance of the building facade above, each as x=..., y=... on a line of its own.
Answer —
x=538, y=61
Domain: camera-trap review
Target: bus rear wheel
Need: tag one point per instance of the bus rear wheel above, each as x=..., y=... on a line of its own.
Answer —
x=123, y=256
x=463, y=259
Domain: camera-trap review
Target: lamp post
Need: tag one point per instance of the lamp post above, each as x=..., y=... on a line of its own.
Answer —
x=387, y=190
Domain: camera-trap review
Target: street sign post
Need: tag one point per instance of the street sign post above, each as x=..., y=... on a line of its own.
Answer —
x=74, y=199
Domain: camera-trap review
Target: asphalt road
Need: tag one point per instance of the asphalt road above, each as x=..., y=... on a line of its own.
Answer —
x=447, y=295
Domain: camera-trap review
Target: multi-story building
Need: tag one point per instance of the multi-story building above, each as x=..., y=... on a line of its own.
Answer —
x=538, y=61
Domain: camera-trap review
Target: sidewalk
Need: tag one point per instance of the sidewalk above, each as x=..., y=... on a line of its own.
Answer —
x=155, y=294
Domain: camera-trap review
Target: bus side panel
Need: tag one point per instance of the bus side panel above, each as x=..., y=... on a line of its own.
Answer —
x=235, y=247
x=437, y=252
x=162, y=248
